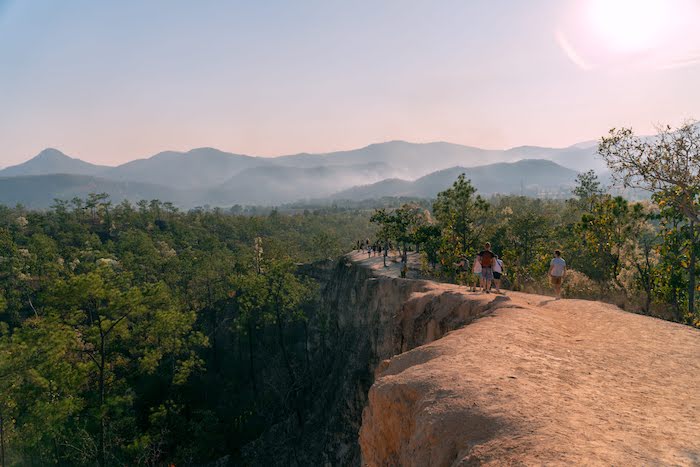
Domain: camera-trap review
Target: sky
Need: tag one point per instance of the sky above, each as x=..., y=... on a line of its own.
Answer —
x=112, y=81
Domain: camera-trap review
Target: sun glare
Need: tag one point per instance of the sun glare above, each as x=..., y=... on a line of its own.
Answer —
x=625, y=34
x=630, y=26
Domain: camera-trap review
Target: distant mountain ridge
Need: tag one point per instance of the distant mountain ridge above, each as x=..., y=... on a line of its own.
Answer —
x=396, y=168
x=527, y=177
x=52, y=161
x=196, y=168
x=207, y=166
x=279, y=185
x=40, y=191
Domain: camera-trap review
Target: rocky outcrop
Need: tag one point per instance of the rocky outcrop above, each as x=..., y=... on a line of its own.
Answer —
x=367, y=315
x=541, y=382
x=373, y=316
x=431, y=374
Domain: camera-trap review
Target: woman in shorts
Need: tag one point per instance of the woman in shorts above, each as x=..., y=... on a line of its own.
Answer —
x=477, y=274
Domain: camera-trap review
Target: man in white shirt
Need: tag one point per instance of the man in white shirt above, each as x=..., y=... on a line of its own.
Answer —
x=557, y=271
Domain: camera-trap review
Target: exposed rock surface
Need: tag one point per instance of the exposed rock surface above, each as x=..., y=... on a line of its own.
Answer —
x=367, y=315
x=533, y=382
x=448, y=377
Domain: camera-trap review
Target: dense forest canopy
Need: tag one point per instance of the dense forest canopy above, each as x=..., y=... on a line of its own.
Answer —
x=138, y=334
x=141, y=335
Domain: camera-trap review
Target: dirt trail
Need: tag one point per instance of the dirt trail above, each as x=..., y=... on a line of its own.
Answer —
x=538, y=381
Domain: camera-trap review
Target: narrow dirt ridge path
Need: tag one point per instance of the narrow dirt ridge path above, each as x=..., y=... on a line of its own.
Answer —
x=539, y=382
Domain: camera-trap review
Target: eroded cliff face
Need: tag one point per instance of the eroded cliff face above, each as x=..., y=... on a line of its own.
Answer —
x=366, y=317
x=538, y=382
x=373, y=318
x=431, y=374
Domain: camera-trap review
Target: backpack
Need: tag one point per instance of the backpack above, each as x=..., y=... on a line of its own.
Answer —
x=498, y=266
x=486, y=259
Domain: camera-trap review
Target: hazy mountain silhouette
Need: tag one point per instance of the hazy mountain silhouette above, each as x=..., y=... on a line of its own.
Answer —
x=52, y=161
x=413, y=159
x=280, y=184
x=202, y=167
x=40, y=191
x=579, y=157
x=528, y=177
x=209, y=176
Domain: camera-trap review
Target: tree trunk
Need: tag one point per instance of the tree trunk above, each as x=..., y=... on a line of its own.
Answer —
x=691, y=272
x=2, y=442
x=101, y=447
x=307, y=358
x=250, y=359
x=283, y=348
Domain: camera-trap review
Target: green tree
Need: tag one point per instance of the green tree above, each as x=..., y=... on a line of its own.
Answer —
x=588, y=189
x=122, y=330
x=601, y=236
x=460, y=213
x=42, y=378
x=667, y=165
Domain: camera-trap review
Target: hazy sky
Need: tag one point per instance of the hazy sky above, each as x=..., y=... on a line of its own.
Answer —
x=110, y=81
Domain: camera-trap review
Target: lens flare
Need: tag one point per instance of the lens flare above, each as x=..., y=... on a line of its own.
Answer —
x=627, y=34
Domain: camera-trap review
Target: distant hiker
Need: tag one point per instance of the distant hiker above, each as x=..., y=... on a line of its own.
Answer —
x=462, y=267
x=477, y=274
x=486, y=258
x=369, y=250
x=358, y=246
x=498, y=271
x=557, y=271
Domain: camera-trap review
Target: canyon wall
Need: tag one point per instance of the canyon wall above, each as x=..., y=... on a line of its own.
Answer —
x=432, y=374
x=365, y=317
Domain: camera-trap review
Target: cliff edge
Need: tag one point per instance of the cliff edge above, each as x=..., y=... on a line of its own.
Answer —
x=525, y=380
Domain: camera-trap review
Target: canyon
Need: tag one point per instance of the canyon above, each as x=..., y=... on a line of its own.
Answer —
x=428, y=373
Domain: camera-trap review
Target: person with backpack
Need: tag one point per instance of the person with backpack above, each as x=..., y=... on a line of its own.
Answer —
x=498, y=271
x=487, y=258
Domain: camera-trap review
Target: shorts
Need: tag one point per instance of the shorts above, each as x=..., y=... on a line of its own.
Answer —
x=496, y=275
x=487, y=274
x=556, y=280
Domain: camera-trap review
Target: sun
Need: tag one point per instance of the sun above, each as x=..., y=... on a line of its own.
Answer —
x=624, y=35
x=629, y=26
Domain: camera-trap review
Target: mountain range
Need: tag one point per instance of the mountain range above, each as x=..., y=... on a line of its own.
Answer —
x=529, y=177
x=207, y=176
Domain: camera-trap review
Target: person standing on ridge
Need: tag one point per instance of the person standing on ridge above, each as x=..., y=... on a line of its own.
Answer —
x=476, y=269
x=498, y=271
x=462, y=268
x=487, y=258
x=557, y=271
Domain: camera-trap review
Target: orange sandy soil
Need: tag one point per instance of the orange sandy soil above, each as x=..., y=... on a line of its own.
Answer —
x=539, y=382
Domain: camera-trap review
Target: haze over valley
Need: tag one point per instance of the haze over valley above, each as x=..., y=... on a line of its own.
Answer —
x=207, y=176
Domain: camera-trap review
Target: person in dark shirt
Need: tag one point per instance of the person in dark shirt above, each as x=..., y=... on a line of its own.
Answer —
x=487, y=258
